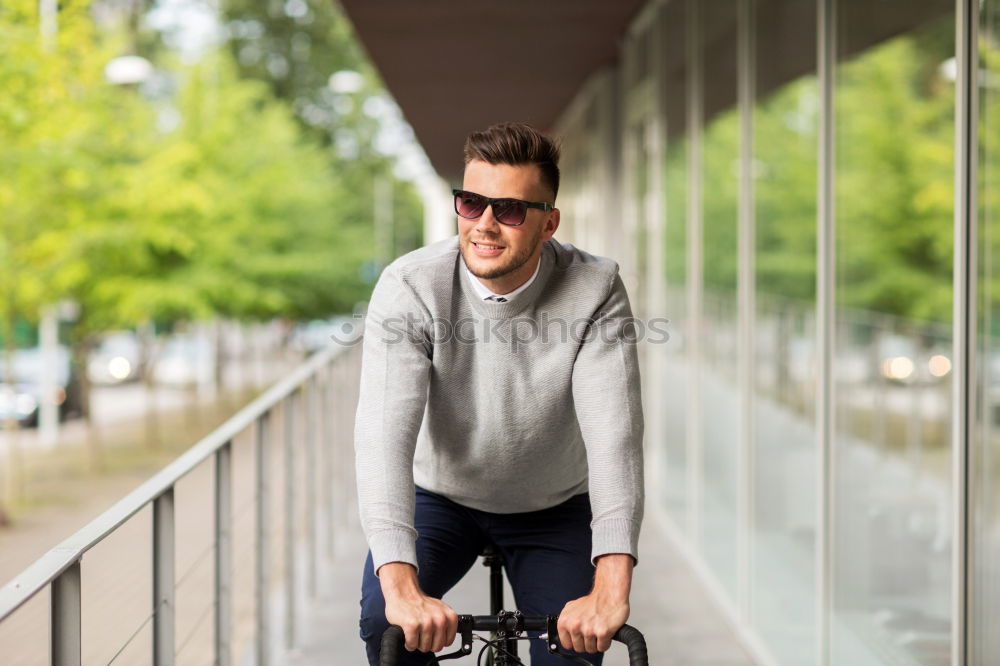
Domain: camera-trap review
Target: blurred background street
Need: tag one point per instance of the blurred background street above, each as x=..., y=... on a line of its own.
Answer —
x=135, y=429
x=198, y=196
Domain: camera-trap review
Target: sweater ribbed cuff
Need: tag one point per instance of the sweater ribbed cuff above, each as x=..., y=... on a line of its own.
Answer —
x=393, y=546
x=615, y=535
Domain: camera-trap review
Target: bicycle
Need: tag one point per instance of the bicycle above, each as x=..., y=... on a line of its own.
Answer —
x=506, y=628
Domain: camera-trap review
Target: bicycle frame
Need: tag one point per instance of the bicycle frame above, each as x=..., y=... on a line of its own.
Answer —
x=508, y=655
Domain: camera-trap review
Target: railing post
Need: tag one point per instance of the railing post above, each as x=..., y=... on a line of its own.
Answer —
x=309, y=409
x=163, y=579
x=290, y=415
x=330, y=448
x=340, y=442
x=263, y=543
x=223, y=554
x=66, y=598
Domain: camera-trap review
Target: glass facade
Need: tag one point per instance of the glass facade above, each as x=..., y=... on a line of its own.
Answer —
x=817, y=449
x=784, y=150
x=894, y=201
x=984, y=476
x=674, y=492
x=717, y=373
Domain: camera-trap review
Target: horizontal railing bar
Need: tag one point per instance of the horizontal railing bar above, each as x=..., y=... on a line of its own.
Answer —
x=197, y=626
x=198, y=561
x=44, y=570
x=128, y=641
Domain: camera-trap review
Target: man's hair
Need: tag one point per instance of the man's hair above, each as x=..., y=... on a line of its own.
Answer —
x=516, y=144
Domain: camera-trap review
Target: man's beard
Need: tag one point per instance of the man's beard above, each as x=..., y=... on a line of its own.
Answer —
x=516, y=262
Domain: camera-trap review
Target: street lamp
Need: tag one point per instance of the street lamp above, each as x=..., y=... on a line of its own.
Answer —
x=128, y=70
x=346, y=81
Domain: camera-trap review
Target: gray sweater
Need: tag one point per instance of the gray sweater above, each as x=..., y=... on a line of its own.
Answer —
x=502, y=407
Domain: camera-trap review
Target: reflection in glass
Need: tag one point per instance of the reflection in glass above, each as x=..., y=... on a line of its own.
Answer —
x=785, y=139
x=676, y=383
x=639, y=194
x=718, y=382
x=985, y=430
x=894, y=220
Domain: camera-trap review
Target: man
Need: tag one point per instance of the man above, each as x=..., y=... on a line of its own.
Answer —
x=500, y=404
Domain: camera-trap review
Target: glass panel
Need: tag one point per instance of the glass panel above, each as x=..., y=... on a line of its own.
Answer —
x=985, y=474
x=718, y=376
x=676, y=383
x=894, y=202
x=639, y=166
x=637, y=114
x=784, y=414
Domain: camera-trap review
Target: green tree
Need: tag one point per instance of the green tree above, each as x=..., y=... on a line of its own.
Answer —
x=895, y=173
x=69, y=139
x=294, y=47
x=894, y=180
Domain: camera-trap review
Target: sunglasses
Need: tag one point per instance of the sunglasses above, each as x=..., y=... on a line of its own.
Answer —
x=506, y=211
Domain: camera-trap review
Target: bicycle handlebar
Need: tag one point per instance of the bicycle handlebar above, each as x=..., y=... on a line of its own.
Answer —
x=636, y=644
x=392, y=639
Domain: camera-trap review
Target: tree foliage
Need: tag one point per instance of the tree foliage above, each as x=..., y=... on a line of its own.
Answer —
x=207, y=197
x=68, y=140
x=895, y=175
x=894, y=183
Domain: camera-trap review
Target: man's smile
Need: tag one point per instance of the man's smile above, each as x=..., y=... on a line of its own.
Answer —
x=487, y=249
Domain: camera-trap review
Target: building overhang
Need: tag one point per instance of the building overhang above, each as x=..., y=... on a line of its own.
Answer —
x=456, y=67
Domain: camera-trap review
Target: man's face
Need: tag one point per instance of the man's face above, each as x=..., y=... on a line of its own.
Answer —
x=492, y=250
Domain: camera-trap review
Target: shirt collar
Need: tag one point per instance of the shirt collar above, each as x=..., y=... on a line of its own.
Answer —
x=488, y=295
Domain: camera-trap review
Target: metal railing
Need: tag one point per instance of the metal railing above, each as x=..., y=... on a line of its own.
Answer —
x=316, y=399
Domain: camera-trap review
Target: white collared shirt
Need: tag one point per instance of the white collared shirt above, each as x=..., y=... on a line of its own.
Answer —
x=488, y=295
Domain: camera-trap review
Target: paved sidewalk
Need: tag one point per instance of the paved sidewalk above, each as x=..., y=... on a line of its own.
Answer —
x=671, y=607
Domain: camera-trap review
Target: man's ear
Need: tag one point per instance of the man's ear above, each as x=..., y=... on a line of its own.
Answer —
x=551, y=224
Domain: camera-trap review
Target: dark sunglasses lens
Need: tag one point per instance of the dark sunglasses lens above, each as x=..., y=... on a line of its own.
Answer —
x=509, y=211
x=469, y=205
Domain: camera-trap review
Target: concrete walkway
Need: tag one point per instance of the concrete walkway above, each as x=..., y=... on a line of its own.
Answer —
x=669, y=604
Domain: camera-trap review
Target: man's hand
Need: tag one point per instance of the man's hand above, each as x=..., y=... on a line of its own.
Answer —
x=428, y=624
x=588, y=623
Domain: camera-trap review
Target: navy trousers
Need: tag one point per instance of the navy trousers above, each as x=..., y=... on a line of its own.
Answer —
x=546, y=557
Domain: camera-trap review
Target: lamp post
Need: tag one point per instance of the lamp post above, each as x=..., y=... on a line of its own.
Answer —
x=48, y=12
x=48, y=407
x=349, y=82
x=49, y=400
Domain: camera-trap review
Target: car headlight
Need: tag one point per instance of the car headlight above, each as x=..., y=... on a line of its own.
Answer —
x=940, y=365
x=119, y=368
x=898, y=367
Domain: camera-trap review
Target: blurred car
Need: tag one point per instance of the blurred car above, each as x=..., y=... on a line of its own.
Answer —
x=21, y=386
x=115, y=360
x=184, y=361
x=311, y=336
x=905, y=361
x=318, y=334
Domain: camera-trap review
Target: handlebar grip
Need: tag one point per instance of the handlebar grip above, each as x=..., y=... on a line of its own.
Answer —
x=636, y=644
x=392, y=642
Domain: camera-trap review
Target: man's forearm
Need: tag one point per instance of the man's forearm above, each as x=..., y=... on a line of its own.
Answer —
x=613, y=577
x=428, y=623
x=393, y=395
x=607, y=398
x=588, y=623
x=398, y=579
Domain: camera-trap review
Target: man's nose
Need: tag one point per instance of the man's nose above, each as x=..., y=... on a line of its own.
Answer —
x=486, y=221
